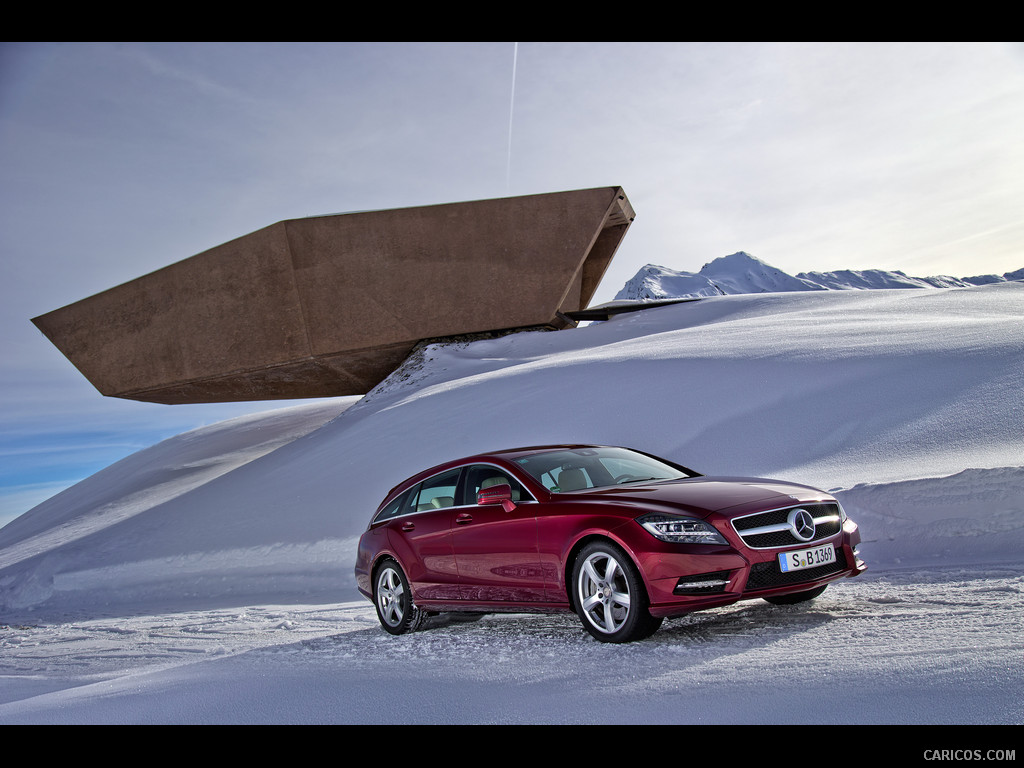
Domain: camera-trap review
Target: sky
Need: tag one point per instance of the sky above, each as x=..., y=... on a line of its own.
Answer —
x=117, y=159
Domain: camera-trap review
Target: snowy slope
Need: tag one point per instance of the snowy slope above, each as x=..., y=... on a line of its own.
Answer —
x=907, y=404
x=742, y=273
x=835, y=389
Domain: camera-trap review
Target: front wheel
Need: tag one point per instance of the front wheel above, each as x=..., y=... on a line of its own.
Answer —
x=796, y=597
x=609, y=595
x=393, y=599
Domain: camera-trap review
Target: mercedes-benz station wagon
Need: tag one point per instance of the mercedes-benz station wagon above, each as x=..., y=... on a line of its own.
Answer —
x=622, y=538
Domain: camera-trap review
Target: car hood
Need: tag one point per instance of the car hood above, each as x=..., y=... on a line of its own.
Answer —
x=706, y=495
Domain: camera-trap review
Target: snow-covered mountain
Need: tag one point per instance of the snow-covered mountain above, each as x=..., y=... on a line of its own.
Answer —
x=742, y=273
x=881, y=279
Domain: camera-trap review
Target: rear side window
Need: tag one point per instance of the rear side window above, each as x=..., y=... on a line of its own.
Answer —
x=393, y=509
x=436, y=493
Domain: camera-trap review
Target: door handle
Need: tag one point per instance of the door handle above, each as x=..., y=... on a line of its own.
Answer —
x=463, y=518
x=408, y=527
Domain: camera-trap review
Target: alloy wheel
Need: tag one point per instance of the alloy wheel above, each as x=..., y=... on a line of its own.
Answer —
x=604, y=592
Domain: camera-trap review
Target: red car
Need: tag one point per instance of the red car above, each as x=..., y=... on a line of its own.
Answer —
x=622, y=538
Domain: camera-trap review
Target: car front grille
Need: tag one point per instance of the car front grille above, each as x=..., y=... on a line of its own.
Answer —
x=768, y=575
x=769, y=530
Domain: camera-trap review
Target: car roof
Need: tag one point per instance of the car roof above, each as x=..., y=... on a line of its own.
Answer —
x=509, y=453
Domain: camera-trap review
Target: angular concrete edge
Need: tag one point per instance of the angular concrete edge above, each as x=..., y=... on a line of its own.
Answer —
x=330, y=305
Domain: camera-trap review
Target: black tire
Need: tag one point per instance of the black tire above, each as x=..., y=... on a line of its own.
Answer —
x=797, y=597
x=609, y=595
x=393, y=599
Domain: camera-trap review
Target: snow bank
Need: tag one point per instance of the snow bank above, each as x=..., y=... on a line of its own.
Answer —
x=972, y=517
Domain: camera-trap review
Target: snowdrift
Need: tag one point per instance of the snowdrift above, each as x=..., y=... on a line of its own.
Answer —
x=907, y=404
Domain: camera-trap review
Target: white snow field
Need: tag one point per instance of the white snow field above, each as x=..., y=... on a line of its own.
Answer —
x=208, y=579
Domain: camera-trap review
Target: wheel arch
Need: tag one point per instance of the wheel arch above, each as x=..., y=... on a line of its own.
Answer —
x=380, y=557
x=578, y=546
x=379, y=560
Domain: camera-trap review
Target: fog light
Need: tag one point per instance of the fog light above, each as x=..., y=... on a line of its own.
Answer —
x=702, y=584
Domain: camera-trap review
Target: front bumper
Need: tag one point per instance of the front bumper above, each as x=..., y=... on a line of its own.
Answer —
x=682, y=582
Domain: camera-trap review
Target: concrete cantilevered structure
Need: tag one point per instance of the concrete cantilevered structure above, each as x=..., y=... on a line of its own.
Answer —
x=330, y=305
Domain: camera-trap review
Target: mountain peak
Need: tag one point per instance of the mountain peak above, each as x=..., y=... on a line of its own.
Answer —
x=733, y=260
x=742, y=273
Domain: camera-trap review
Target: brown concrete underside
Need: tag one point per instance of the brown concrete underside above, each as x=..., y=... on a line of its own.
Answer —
x=331, y=305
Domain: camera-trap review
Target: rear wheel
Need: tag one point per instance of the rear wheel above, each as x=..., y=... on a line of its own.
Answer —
x=393, y=599
x=609, y=595
x=796, y=597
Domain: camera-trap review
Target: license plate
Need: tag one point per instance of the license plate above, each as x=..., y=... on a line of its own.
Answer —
x=807, y=558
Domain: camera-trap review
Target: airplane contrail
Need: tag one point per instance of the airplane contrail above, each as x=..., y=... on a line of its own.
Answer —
x=511, y=107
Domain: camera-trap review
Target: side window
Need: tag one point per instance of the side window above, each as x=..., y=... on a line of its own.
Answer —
x=480, y=476
x=392, y=509
x=437, y=492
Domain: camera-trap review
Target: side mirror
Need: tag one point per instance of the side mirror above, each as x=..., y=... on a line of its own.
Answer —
x=497, y=494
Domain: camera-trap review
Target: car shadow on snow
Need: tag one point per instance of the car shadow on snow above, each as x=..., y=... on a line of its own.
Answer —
x=756, y=621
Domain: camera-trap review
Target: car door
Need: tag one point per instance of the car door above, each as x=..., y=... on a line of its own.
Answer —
x=496, y=550
x=420, y=532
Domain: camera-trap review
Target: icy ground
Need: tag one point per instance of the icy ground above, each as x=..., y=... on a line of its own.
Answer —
x=208, y=579
x=940, y=646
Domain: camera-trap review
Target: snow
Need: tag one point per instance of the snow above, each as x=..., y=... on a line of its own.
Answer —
x=208, y=579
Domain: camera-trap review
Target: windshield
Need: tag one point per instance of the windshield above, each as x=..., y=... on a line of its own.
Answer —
x=574, y=469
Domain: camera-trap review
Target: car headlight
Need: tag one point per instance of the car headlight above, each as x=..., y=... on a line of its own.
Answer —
x=680, y=530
